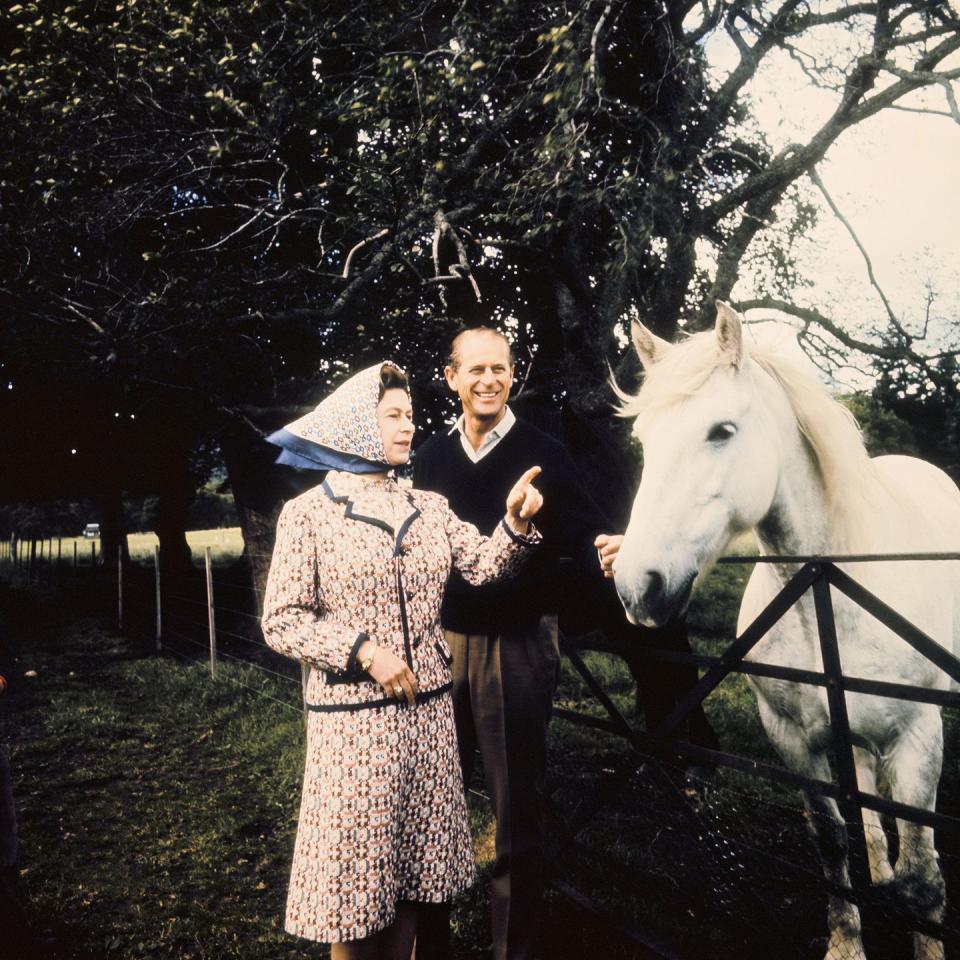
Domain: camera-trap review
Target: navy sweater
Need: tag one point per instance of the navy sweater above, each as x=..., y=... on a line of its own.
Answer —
x=477, y=492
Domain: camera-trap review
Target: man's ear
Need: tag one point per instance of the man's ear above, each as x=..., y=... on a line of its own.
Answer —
x=449, y=374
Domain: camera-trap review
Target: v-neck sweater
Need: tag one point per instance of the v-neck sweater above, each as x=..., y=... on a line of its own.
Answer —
x=477, y=492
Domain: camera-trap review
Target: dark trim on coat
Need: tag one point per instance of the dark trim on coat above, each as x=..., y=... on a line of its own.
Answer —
x=328, y=490
x=397, y=537
x=422, y=697
x=526, y=539
x=374, y=521
x=353, y=668
x=447, y=658
x=405, y=526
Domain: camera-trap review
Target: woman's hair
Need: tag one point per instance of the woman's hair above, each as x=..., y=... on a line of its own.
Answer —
x=392, y=378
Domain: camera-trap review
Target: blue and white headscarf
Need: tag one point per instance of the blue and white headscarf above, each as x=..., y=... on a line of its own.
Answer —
x=342, y=433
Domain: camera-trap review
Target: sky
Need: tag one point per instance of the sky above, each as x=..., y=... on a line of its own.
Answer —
x=895, y=177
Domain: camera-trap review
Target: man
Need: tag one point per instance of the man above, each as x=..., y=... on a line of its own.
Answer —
x=503, y=637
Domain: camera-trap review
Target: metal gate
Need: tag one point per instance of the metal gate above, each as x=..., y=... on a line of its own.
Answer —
x=739, y=872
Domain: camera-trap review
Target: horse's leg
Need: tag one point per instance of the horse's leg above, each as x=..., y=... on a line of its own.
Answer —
x=880, y=869
x=830, y=835
x=913, y=771
x=826, y=826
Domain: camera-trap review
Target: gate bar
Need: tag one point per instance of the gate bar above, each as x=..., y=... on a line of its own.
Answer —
x=734, y=654
x=840, y=730
x=933, y=651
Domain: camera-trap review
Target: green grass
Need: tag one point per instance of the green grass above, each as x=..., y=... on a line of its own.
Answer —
x=225, y=543
x=158, y=807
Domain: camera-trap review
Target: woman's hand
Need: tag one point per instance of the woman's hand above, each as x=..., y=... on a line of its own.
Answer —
x=396, y=678
x=523, y=501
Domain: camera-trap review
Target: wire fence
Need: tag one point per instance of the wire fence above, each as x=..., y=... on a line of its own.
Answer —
x=738, y=862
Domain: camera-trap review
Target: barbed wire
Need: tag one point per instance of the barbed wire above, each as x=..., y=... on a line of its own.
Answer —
x=224, y=676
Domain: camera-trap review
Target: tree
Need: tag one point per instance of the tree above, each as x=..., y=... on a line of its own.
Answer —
x=223, y=206
x=928, y=400
x=884, y=432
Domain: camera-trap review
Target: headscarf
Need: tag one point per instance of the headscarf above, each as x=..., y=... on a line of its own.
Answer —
x=341, y=433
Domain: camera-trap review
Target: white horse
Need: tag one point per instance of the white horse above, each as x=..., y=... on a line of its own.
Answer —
x=737, y=438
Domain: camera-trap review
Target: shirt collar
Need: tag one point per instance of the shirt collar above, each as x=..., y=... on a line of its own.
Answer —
x=497, y=433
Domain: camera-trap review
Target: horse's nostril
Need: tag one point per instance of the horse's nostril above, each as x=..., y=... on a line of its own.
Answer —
x=653, y=586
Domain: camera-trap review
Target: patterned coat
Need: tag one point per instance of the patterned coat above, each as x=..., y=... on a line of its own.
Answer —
x=383, y=816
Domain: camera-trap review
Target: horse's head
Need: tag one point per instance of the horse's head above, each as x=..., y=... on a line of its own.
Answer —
x=710, y=468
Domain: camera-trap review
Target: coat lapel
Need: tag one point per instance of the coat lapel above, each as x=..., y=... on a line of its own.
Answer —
x=392, y=511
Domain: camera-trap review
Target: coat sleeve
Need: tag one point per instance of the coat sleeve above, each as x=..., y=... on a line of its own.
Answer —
x=481, y=559
x=295, y=621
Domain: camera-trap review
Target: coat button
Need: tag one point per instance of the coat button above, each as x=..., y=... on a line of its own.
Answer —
x=409, y=594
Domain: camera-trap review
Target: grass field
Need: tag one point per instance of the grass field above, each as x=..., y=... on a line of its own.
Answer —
x=225, y=543
x=157, y=806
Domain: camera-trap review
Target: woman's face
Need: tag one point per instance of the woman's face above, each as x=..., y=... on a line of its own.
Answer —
x=395, y=417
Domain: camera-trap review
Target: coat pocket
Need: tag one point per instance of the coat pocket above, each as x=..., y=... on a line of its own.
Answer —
x=443, y=651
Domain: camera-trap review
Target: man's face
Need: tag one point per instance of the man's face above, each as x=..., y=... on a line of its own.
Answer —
x=483, y=376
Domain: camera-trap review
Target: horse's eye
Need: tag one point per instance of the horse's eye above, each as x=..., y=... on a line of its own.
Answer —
x=721, y=432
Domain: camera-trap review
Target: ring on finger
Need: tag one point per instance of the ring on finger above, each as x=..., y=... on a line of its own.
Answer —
x=397, y=690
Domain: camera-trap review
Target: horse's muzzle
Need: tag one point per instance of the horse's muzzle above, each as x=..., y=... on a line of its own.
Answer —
x=652, y=600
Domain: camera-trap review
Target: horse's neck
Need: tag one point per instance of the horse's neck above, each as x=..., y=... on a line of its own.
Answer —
x=798, y=520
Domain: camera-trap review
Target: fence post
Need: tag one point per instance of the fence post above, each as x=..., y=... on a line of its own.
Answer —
x=75, y=561
x=840, y=728
x=93, y=559
x=33, y=559
x=120, y=587
x=211, y=626
x=156, y=578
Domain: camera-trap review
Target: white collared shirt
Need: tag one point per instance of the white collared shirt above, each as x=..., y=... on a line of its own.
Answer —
x=490, y=439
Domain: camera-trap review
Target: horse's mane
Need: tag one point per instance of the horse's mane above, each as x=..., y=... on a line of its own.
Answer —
x=853, y=487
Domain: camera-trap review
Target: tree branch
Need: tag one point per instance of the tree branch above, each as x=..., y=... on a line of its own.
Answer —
x=796, y=159
x=443, y=226
x=818, y=182
x=813, y=317
x=359, y=246
x=594, y=40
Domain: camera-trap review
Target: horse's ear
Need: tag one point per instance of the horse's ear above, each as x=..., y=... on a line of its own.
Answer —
x=729, y=330
x=650, y=348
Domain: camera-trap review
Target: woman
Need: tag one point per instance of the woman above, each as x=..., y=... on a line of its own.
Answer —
x=354, y=591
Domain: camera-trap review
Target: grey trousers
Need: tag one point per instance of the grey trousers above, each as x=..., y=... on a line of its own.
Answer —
x=502, y=693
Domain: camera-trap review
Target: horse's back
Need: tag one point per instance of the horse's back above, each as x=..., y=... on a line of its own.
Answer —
x=917, y=511
x=926, y=494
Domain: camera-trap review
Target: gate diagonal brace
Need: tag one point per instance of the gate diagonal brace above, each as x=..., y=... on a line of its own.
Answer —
x=903, y=628
x=794, y=588
x=715, y=847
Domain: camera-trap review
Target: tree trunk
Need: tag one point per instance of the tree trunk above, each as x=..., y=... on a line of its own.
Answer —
x=113, y=526
x=176, y=493
x=260, y=488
